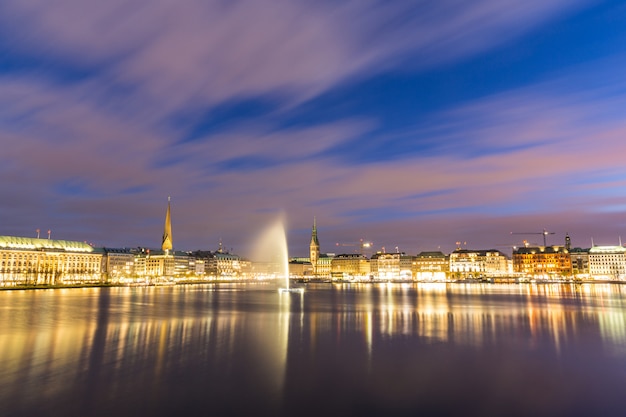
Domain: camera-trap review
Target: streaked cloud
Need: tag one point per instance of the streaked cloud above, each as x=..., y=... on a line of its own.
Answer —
x=130, y=113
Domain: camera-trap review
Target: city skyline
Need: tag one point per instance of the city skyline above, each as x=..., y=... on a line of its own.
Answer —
x=408, y=124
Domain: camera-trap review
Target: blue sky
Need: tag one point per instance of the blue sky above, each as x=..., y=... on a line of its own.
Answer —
x=409, y=124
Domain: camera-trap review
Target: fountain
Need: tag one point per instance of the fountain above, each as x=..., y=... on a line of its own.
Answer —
x=272, y=248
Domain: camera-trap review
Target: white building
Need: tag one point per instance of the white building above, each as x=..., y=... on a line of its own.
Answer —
x=29, y=261
x=607, y=262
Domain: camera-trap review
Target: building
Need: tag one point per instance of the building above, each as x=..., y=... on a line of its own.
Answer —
x=465, y=263
x=391, y=266
x=224, y=265
x=118, y=265
x=300, y=268
x=349, y=266
x=33, y=261
x=607, y=262
x=314, y=249
x=542, y=262
x=580, y=262
x=484, y=263
x=431, y=266
x=323, y=266
x=495, y=263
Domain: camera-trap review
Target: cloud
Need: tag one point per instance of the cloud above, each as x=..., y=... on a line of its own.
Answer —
x=100, y=152
x=198, y=53
x=57, y=142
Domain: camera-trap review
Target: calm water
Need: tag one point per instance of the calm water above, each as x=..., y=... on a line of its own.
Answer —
x=367, y=350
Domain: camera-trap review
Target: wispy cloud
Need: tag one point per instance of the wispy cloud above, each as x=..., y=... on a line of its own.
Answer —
x=199, y=52
x=104, y=143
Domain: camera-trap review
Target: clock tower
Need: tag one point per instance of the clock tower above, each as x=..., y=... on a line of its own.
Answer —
x=314, y=248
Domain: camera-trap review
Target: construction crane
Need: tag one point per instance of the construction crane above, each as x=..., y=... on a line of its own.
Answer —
x=544, y=233
x=361, y=245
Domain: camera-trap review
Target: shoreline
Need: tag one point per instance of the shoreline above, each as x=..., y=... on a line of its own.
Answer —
x=301, y=282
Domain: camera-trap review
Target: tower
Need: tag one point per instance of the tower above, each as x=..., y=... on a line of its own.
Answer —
x=166, y=243
x=568, y=242
x=314, y=248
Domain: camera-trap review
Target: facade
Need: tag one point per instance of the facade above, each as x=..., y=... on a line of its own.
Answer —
x=542, y=262
x=607, y=262
x=224, y=265
x=219, y=265
x=159, y=264
x=431, y=266
x=300, y=269
x=465, y=263
x=117, y=264
x=489, y=263
x=350, y=266
x=580, y=262
x=30, y=261
x=324, y=265
x=391, y=266
x=495, y=263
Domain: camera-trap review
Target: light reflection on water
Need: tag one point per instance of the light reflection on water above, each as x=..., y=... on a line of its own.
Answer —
x=368, y=349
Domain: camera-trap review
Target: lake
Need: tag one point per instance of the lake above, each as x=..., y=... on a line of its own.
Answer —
x=363, y=350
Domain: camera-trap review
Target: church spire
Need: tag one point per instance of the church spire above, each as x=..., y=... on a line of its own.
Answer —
x=166, y=243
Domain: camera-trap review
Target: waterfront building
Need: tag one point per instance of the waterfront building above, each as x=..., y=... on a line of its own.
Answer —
x=350, y=266
x=464, y=263
x=580, y=262
x=31, y=261
x=542, y=262
x=158, y=264
x=484, y=263
x=391, y=266
x=245, y=268
x=198, y=267
x=324, y=265
x=320, y=262
x=224, y=265
x=495, y=263
x=431, y=266
x=314, y=248
x=165, y=263
x=300, y=268
x=607, y=262
x=117, y=264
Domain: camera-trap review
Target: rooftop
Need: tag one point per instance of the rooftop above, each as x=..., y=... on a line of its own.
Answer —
x=28, y=243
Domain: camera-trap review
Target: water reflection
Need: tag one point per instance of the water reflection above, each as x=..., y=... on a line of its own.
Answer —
x=158, y=351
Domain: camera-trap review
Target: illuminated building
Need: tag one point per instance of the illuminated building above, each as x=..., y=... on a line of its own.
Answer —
x=495, y=263
x=580, y=262
x=117, y=264
x=320, y=262
x=300, y=268
x=431, y=266
x=314, y=248
x=164, y=263
x=348, y=266
x=607, y=262
x=465, y=263
x=224, y=265
x=324, y=265
x=387, y=266
x=30, y=261
x=542, y=261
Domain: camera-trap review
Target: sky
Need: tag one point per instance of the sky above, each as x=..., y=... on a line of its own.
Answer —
x=409, y=124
